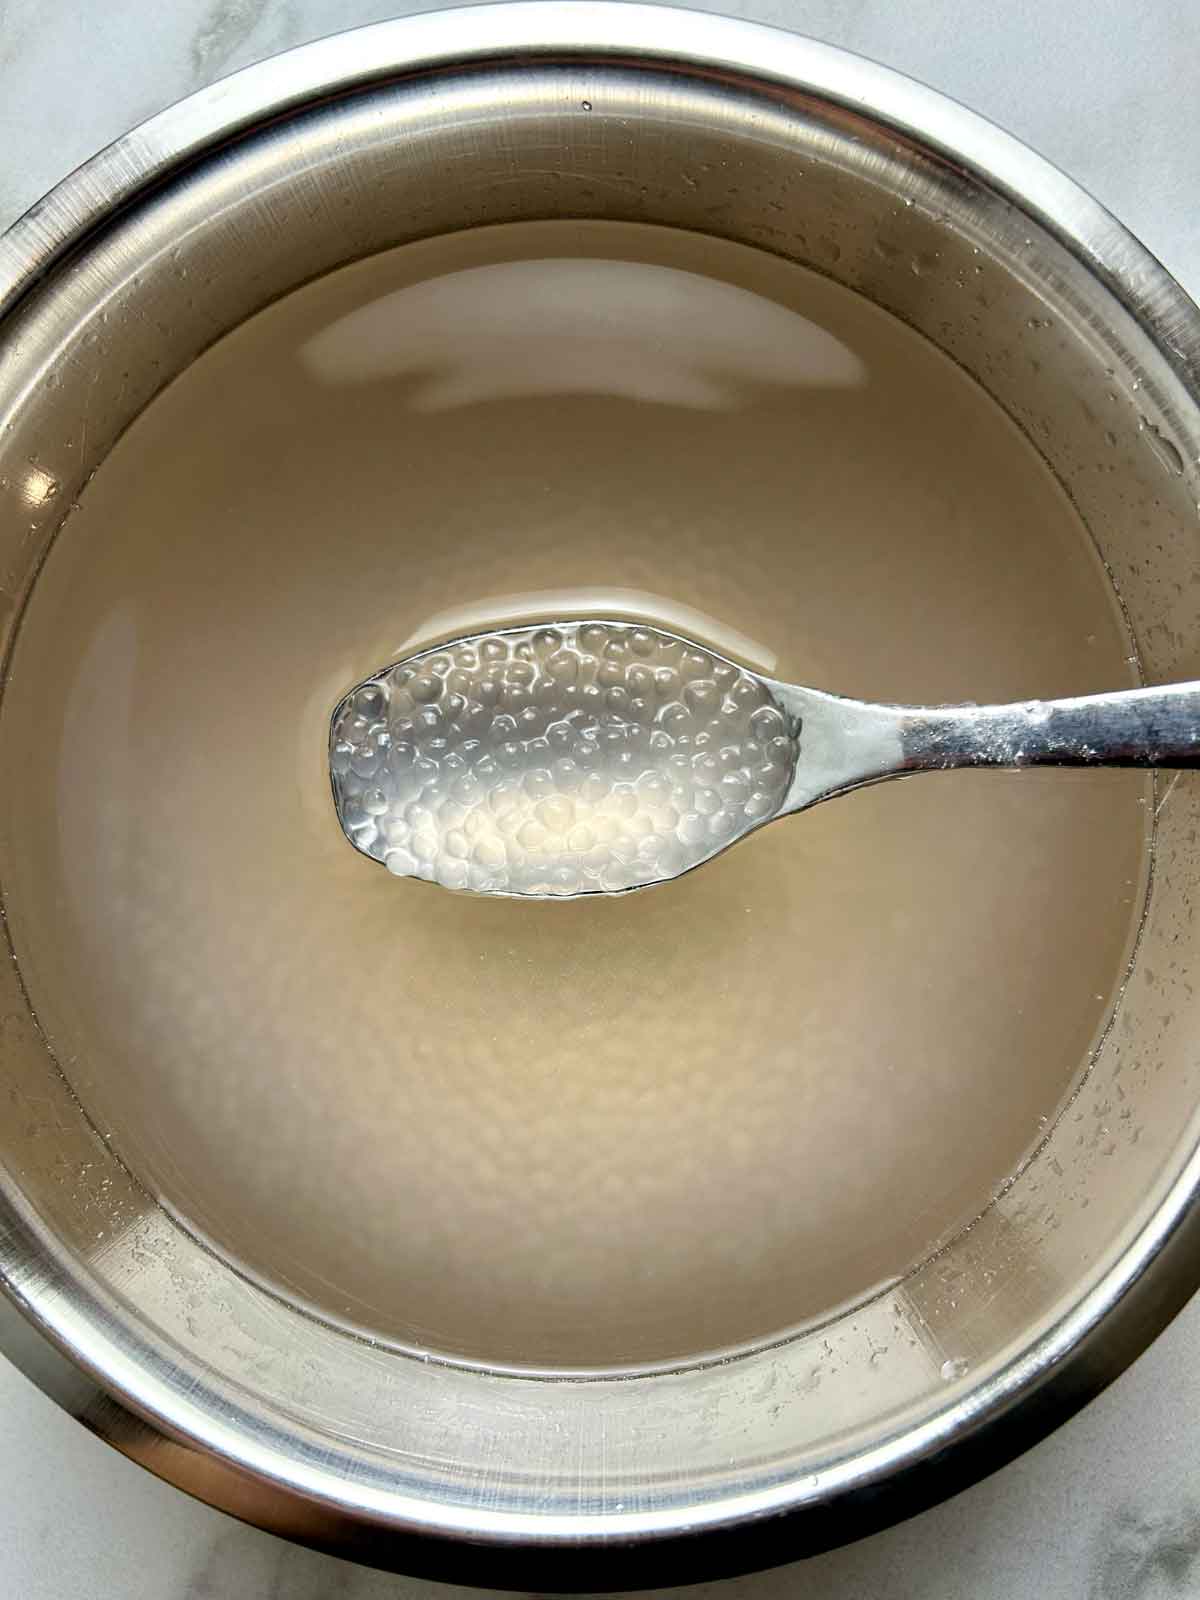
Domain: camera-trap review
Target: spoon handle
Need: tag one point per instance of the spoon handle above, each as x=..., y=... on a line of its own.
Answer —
x=1158, y=727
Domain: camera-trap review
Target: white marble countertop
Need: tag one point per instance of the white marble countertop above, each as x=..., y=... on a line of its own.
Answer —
x=1108, y=1508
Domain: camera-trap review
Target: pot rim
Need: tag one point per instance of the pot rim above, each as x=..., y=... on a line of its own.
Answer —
x=1056, y=1373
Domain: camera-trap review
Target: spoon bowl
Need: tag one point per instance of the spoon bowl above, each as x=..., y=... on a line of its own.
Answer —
x=588, y=757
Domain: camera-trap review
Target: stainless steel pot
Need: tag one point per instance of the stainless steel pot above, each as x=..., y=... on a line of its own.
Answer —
x=324, y=155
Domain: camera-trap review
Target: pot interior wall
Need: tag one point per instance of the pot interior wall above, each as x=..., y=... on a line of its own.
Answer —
x=828, y=186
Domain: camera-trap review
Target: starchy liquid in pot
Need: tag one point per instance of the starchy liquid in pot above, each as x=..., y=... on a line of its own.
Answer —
x=617, y=1130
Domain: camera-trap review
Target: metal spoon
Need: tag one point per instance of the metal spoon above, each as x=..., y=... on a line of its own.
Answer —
x=595, y=757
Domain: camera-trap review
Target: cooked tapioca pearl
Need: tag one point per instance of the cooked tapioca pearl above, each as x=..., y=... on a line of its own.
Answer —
x=452, y=873
x=425, y=845
x=654, y=786
x=594, y=636
x=364, y=763
x=563, y=667
x=702, y=697
x=556, y=814
x=531, y=834
x=767, y=723
x=370, y=701
x=353, y=815
x=594, y=788
x=538, y=783
x=624, y=848
x=489, y=852
x=693, y=828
